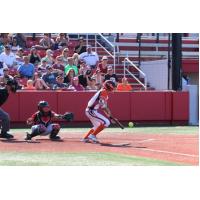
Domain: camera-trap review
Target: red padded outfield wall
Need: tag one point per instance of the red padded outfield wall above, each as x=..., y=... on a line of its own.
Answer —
x=155, y=106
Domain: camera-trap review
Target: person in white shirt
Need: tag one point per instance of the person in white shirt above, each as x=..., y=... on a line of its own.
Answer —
x=90, y=57
x=7, y=57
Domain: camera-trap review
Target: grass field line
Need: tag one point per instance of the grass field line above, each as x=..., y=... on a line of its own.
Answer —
x=169, y=152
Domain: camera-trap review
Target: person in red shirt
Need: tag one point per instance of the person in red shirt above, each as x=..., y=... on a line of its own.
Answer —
x=99, y=122
x=103, y=65
x=41, y=122
x=124, y=86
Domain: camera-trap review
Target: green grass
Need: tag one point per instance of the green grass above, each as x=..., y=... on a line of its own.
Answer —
x=77, y=159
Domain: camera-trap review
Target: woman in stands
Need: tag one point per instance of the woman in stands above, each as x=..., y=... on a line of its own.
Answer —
x=62, y=41
x=49, y=57
x=64, y=56
x=34, y=57
x=70, y=74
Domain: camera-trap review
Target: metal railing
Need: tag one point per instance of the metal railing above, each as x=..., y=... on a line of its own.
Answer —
x=144, y=85
x=111, y=46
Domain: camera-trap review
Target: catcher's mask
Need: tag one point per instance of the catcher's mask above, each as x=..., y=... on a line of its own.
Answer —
x=43, y=106
x=109, y=85
x=13, y=84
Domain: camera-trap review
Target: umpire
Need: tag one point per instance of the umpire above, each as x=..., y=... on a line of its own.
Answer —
x=10, y=86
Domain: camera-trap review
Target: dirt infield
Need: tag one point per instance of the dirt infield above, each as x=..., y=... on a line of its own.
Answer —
x=182, y=149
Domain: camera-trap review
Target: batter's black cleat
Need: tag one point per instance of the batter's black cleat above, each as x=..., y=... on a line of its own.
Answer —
x=56, y=137
x=6, y=135
x=28, y=137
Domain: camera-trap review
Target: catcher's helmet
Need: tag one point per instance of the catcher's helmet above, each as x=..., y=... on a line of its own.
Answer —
x=109, y=85
x=13, y=84
x=42, y=104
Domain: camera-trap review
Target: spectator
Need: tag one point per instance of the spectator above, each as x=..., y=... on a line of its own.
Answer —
x=21, y=40
x=90, y=57
x=50, y=77
x=45, y=43
x=58, y=64
x=92, y=85
x=34, y=57
x=39, y=82
x=64, y=56
x=76, y=59
x=62, y=41
x=30, y=85
x=103, y=65
x=5, y=39
x=69, y=76
x=84, y=79
x=43, y=67
x=8, y=57
x=76, y=86
x=49, y=57
x=27, y=69
x=19, y=58
x=14, y=46
x=71, y=66
x=83, y=67
x=99, y=78
x=124, y=86
x=21, y=82
x=80, y=48
x=60, y=83
x=111, y=76
x=5, y=77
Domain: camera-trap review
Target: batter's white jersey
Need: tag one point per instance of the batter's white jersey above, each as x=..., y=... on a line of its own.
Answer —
x=99, y=100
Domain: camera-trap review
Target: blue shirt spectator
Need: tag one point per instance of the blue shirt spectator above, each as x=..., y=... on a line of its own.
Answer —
x=26, y=70
x=50, y=77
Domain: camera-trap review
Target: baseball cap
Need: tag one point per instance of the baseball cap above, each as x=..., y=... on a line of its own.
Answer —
x=104, y=58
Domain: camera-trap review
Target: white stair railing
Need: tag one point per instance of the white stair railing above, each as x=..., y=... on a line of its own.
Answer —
x=144, y=85
x=97, y=43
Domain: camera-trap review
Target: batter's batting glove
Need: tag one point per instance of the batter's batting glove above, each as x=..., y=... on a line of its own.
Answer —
x=68, y=116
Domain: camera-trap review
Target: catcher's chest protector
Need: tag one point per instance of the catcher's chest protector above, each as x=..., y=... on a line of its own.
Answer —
x=40, y=118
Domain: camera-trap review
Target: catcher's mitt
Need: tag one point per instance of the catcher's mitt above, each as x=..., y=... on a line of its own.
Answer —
x=68, y=116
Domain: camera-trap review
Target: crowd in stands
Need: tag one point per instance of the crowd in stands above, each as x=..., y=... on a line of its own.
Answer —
x=59, y=68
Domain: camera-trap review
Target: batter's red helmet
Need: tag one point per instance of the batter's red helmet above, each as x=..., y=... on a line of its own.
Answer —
x=109, y=85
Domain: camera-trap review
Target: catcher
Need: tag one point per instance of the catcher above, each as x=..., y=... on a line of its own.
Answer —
x=41, y=122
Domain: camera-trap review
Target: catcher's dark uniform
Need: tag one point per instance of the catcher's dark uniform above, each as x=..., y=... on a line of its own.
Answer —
x=43, y=124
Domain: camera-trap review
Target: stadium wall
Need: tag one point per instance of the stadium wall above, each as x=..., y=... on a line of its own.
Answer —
x=141, y=106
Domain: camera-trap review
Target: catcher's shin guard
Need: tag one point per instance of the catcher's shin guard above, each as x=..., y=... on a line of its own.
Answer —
x=54, y=132
x=35, y=132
